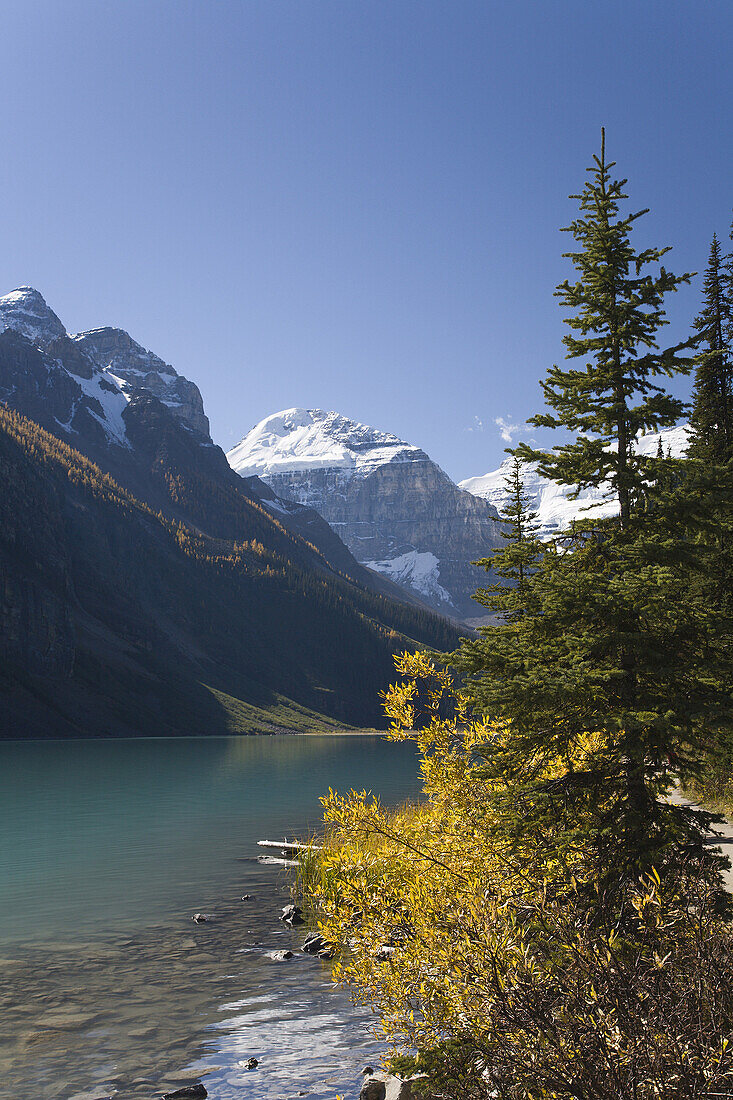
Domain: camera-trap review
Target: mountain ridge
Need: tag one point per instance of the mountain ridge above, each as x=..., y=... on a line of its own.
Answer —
x=131, y=413
x=110, y=356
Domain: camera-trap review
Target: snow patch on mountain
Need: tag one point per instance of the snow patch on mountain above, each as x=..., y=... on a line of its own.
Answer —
x=105, y=389
x=419, y=571
x=311, y=439
x=554, y=506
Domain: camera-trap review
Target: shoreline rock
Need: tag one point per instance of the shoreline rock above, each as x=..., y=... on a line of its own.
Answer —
x=386, y=1086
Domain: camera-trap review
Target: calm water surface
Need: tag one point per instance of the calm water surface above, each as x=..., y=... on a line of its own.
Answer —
x=106, y=851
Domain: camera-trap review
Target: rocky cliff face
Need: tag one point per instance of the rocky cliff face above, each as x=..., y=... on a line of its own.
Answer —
x=64, y=394
x=395, y=509
x=553, y=503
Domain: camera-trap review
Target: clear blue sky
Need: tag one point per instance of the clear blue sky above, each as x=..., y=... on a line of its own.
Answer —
x=351, y=204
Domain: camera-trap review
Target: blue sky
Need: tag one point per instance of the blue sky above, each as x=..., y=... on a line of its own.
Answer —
x=351, y=204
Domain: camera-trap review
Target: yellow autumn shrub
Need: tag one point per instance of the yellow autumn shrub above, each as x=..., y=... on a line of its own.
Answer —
x=494, y=968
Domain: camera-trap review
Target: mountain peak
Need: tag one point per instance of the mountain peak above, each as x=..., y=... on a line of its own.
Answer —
x=107, y=346
x=299, y=439
x=134, y=367
x=25, y=310
x=28, y=293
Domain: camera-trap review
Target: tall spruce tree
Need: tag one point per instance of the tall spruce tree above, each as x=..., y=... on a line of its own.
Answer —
x=617, y=311
x=712, y=410
x=608, y=686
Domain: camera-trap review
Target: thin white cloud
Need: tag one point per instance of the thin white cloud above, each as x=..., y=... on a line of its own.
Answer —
x=507, y=430
x=477, y=426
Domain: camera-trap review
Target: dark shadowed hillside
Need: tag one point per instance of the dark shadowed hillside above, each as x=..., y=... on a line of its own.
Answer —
x=119, y=620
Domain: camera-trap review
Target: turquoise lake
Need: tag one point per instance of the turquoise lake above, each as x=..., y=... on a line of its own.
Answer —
x=107, y=849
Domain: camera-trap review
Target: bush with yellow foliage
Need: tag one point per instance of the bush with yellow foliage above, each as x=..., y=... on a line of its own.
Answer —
x=495, y=965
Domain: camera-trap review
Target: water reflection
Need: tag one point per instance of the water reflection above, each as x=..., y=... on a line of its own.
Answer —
x=107, y=987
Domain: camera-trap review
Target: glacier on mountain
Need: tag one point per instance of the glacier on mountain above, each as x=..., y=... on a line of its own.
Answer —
x=310, y=439
x=553, y=503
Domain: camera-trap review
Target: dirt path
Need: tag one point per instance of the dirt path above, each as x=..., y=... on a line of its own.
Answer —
x=723, y=841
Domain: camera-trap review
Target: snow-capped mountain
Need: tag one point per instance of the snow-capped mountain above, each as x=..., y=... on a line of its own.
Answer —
x=140, y=421
x=91, y=376
x=552, y=502
x=395, y=509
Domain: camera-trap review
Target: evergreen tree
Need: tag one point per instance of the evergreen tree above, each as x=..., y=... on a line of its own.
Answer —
x=610, y=684
x=708, y=477
x=515, y=561
x=712, y=412
x=602, y=680
x=617, y=312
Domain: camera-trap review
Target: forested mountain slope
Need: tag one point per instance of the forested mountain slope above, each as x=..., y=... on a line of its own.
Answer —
x=116, y=620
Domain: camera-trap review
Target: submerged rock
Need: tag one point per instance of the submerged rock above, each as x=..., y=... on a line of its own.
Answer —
x=280, y=956
x=188, y=1092
x=90, y=1096
x=63, y=1019
x=202, y=918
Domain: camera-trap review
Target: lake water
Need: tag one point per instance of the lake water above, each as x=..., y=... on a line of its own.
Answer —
x=107, y=848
